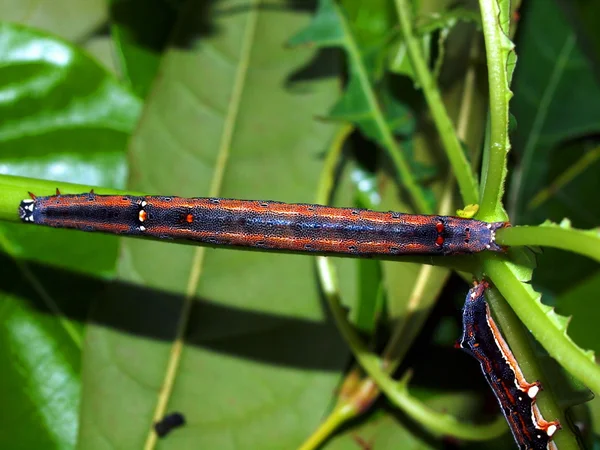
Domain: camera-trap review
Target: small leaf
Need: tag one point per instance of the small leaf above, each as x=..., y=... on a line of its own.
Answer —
x=468, y=212
x=325, y=29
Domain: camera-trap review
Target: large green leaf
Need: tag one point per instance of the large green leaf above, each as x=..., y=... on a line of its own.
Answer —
x=583, y=326
x=231, y=115
x=557, y=99
x=556, y=105
x=59, y=121
x=63, y=118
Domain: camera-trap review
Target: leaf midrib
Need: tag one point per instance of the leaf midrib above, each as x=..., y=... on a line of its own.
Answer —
x=215, y=188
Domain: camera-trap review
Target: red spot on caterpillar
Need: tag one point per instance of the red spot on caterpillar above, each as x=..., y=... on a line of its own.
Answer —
x=143, y=215
x=439, y=227
x=439, y=241
x=189, y=218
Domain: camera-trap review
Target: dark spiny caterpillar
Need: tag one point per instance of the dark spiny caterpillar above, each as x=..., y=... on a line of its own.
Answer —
x=482, y=339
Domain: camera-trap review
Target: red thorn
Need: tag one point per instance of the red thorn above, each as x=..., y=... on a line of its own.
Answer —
x=32, y=195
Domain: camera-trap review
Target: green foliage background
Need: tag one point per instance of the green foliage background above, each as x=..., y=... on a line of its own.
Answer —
x=199, y=98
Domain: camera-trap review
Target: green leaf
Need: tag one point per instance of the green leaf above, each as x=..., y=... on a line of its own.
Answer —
x=583, y=16
x=557, y=98
x=40, y=356
x=571, y=182
x=258, y=361
x=556, y=103
x=575, y=303
x=59, y=120
x=64, y=118
x=359, y=104
x=371, y=22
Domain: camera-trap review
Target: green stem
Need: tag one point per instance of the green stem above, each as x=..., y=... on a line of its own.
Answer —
x=584, y=242
x=337, y=417
x=520, y=345
x=495, y=158
x=542, y=322
x=460, y=165
x=440, y=424
x=397, y=392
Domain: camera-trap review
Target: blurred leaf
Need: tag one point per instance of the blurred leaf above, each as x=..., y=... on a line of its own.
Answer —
x=578, y=303
x=549, y=110
x=373, y=24
x=73, y=20
x=260, y=360
x=102, y=49
x=63, y=118
x=371, y=21
x=141, y=30
x=583, y=17
x=559, y=197
x=557, y=105
x=575, y=163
